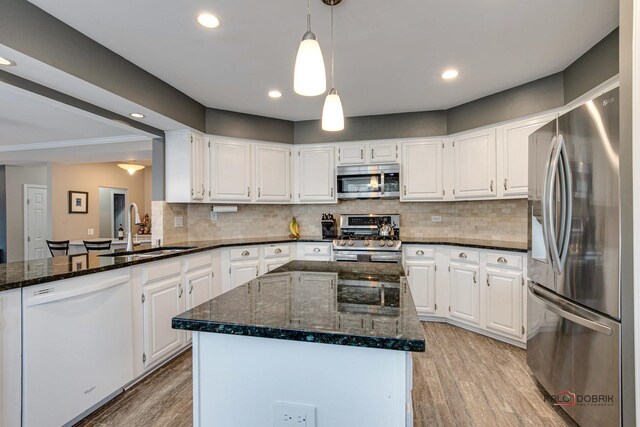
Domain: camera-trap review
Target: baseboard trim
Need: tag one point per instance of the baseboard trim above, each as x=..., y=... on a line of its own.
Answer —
x=477, y=330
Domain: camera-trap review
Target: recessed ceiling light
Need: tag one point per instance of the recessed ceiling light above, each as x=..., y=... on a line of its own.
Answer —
x=5, y=61
x=450, y=74
x=137, y=115
x=208, y=20
x=275, y=94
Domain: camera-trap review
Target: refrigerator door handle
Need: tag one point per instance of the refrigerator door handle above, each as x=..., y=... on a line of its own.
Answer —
x=566, y=310
x=567, y=200
x=548, y=229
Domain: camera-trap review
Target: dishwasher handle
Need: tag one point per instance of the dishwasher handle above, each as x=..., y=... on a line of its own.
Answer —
x=49, y=294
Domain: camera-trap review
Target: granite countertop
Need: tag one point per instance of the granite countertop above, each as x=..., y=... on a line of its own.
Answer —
x=353, y=304
x=502, y=245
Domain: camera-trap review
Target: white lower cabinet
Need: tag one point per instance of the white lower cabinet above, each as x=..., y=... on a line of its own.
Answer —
x=504, y=290
x=464, y=299
x=315, y=252
x=421, y=276
x=10, y=357
x=243, y=271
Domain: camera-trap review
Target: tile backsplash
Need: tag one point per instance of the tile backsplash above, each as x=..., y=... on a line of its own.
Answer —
x=495, y=219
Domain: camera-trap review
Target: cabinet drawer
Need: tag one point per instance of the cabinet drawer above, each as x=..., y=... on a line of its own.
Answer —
x=465, y=255
x=161, y=271
x=243, y=253
x=503, y=260
x=276, y=251
x=316, y=250
x=199, y=261
x=419, y=252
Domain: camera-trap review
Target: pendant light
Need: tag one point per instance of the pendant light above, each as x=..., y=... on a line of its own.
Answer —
x=130, y=167
x=309, y=78
x=332, y=113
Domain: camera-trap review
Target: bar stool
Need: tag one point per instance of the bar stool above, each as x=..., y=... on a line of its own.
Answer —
x=97, y=245
x=58, y=247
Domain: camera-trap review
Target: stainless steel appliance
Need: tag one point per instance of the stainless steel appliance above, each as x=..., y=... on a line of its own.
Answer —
x=574, y=322
x=369, y=181
x=360, y=239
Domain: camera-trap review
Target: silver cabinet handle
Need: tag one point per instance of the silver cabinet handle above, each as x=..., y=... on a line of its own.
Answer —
x=502, y=260
x=475, y=278
x=420, y=252
x=405, y=190
x=245, y=253
x=488, y=284
x=180, y=289
x=248, y=191
x=203, y=189
x=505, y=184
x=277, y=251
x=361, y=154
x=331, y=191
x=256, y=271
x=192, y=192
x=462, y=255
x=491, y=185
x=258, y=191
x=372, y=154
x=190, y=288
x=316, y=249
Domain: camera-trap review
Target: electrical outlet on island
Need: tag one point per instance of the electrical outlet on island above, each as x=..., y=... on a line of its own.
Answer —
x=293, y=415
x=178, y=222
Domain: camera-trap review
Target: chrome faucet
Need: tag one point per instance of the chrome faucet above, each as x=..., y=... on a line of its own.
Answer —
x=132, y=208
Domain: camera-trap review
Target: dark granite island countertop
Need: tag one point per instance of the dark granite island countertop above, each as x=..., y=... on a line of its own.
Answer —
x=352, y=304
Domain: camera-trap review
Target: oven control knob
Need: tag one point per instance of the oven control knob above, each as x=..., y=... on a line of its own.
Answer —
x=350, y=243
x=342, y=243
x=381, y=243
x=390, y=243
x=366, y=243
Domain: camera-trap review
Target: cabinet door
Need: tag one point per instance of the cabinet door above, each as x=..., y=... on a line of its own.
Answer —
x=465, y=293
x=199, y=288
x=422, y=171
x=383, y=152
x=198, y=151
x=162, y=301
x=243, y=272
x=230, y=170
x=10, y=357
x=313, y=296
x=514, y=155
x=504, y=302
x=316, y=174
x=475, y=165
x=422, y=282
x=351, y=154
x=273, y=263
x=273, y=173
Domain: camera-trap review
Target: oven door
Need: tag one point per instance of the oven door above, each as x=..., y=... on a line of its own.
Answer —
x=368, y=256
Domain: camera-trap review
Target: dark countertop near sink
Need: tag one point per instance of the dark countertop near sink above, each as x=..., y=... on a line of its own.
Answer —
x=320, y=302
x=28, y=273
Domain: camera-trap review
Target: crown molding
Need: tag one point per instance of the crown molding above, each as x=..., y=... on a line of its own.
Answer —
x=73, y=143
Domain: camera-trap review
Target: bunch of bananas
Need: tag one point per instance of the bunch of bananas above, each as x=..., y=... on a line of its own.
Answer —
x=294, y=228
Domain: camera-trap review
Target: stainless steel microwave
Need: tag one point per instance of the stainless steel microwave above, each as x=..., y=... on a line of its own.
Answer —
x=369, y=181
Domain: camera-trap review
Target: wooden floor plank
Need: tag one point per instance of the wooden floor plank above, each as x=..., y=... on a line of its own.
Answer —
x=463, y=379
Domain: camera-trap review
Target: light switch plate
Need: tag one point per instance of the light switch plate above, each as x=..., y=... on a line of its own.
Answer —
x=287, y=414
x=436, y=218
x=214, y=216
x=90, y=232
x=178, y=222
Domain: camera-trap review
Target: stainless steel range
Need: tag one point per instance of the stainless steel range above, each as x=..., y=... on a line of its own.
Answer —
x=369, y=238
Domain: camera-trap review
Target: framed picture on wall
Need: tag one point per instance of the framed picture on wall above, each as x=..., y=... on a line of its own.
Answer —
x=78, y=202
x=79, y=262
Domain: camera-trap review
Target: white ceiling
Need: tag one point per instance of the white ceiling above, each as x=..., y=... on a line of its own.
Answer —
x=389, y=54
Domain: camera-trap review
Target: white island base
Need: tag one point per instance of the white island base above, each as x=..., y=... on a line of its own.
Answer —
x=239, y=380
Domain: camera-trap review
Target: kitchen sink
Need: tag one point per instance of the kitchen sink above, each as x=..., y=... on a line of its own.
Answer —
x=149, y=253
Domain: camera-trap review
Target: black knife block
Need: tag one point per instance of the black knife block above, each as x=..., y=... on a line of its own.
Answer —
x=329, y=229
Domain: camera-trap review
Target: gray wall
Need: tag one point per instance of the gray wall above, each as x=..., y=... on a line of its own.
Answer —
x=250, y=126
x=157, y=172
x=29, y=30
x=594, y=67
x=401, y=125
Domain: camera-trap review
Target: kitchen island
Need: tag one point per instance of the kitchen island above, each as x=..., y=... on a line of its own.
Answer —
x=328, y=342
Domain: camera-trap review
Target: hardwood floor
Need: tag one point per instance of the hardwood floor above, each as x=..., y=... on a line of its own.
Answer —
x=463, y=379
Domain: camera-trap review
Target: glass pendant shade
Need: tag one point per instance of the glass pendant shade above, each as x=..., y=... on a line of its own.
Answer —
x=309, y=78
x=332, y=114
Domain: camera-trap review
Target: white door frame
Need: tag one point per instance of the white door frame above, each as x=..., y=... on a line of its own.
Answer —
x=25, y=217
x=113, y=191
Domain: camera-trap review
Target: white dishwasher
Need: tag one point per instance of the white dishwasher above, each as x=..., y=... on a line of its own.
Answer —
x=77, y=345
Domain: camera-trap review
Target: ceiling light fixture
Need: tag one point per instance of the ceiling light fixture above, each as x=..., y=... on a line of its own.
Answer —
x=137, y=115
x=6, y=62
x=275, y=94
x=332, y=113
x=450, y=74
x=208, y=20
x=130, y=167
x=309, y=77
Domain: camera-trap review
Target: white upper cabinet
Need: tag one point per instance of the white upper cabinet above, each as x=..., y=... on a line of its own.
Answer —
x=352, y=154
x=513, y=150
x=383, y=152
x=273, y=173
x=474, y=166
x=187, y=166
x=421, y=172
x=230, y=170
x=316, y=174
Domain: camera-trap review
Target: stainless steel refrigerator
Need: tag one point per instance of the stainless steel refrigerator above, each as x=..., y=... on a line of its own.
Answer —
x=573, y=345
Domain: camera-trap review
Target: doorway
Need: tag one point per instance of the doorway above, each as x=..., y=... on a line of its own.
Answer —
x=113, y=204
x=36, y=227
